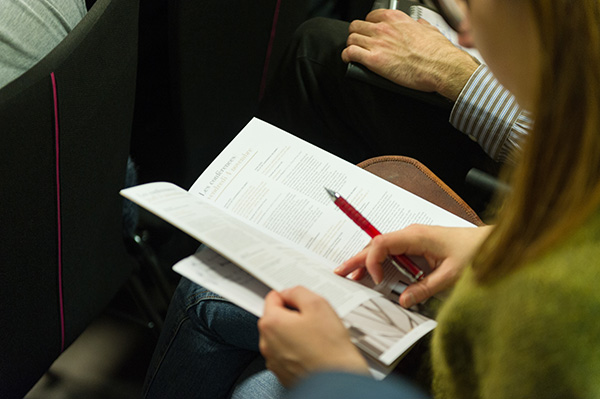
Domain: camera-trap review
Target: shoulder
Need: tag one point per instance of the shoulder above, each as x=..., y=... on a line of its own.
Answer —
x=535, y=328
x=68, y=12
x=30, y=29
x=556, y=290
x=565, y=276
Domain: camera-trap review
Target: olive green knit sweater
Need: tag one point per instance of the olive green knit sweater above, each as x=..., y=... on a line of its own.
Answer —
x=532, y=334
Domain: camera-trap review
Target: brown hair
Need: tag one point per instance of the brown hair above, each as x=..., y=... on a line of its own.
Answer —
x=556, y=184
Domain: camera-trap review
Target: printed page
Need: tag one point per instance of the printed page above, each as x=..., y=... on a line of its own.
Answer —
x=276, y=181
x=262, y=204
x=217, y=274
x=435, y=19
x=278, y=265
x=384, y=330
x=381, y=329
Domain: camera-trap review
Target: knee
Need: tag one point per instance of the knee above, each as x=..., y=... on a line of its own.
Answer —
x=316, y=27
x=318, y=35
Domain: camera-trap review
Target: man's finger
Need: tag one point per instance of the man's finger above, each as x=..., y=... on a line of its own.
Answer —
x=355, y=54
x=361, y=27
x=360, y=40
x=384, y=14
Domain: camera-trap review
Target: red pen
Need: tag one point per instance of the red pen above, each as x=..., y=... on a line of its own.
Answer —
x=402, y=262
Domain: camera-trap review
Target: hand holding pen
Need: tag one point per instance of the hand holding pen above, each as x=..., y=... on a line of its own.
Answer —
x=401, y=262
x=448, y=251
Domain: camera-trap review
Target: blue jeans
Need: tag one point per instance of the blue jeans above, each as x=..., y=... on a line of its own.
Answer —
x=205, y=349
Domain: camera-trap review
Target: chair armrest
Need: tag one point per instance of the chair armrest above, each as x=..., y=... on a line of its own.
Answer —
x=415, y=177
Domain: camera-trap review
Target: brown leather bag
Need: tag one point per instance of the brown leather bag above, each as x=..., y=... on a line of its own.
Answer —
x=413, y=176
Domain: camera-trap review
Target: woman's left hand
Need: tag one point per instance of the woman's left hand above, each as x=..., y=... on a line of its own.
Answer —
x=300, y=333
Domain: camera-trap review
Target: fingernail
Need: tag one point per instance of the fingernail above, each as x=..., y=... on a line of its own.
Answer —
x=337, y=269
x=377, y=280
x=409, y=300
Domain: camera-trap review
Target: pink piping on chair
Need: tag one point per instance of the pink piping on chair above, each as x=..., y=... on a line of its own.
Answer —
x=59, y=224
x=263, y=82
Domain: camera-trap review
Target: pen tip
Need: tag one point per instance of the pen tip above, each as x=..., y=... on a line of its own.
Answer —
x=331, y=193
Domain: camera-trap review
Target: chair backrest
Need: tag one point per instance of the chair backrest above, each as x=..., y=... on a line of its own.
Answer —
x=220, y=58
x=65, y=127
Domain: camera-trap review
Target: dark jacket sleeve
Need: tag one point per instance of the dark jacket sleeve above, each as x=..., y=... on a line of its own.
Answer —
x=333, y=385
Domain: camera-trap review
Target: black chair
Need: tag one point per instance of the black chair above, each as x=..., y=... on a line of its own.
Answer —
x=219, y=60
x=66, y=127
x=201, y=71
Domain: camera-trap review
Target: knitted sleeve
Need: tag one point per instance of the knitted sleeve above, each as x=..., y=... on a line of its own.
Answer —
x=534, y=334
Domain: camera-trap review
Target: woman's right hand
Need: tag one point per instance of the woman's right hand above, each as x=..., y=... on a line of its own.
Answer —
x=448, y=250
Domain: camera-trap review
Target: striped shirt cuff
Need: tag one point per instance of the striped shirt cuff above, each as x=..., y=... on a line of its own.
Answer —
x=518, y=132
x=490, y=115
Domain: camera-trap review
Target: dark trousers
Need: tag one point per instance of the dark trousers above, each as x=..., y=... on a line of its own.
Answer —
x=312, y=98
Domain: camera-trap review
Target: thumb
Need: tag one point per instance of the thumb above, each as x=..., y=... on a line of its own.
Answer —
x=300, y=298
x=413, y=294
x=273, y=301
x=432, y=284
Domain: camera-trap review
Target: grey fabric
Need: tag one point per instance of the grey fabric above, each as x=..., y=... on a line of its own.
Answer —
x=30, y=29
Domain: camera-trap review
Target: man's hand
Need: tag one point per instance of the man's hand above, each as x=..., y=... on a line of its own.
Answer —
x=410, y=53
x=448, y=250
x=306, y=339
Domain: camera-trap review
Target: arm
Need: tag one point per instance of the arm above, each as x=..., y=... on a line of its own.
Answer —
x=530, y=334
x=448, y=250
x=489, y=114
x=410, y=53
x=416, y=55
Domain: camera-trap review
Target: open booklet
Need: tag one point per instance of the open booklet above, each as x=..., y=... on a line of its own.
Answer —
x=267, y=222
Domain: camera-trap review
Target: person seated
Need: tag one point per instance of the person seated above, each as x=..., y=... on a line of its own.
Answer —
x=311, y=97
x=520, y=321
x=30, y=29
x=206, y=335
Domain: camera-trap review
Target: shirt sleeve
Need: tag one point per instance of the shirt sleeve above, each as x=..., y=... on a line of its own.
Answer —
x=490, y=115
